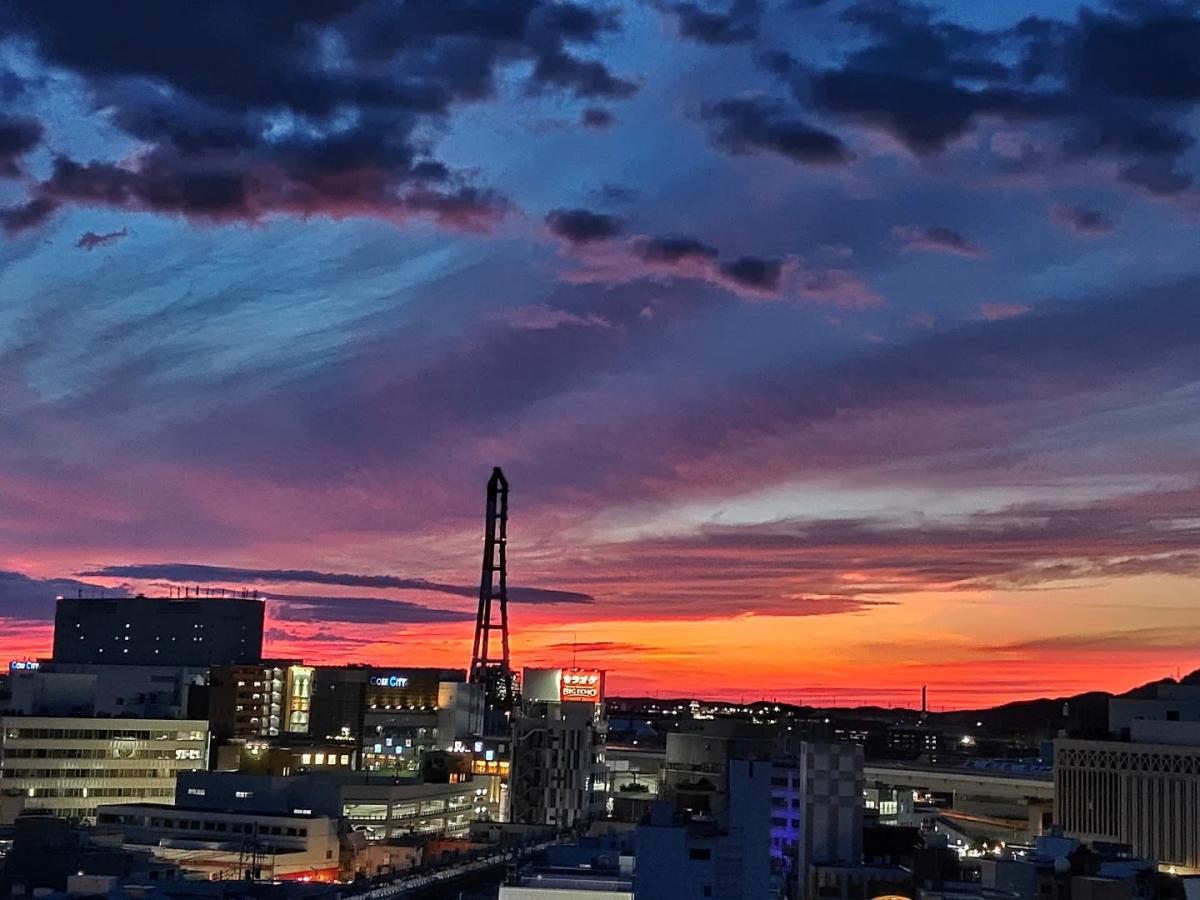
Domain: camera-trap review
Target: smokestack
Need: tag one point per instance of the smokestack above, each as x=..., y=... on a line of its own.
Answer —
x=924, y=701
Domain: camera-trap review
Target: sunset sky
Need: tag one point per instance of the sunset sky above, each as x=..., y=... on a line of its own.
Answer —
x=830, y=348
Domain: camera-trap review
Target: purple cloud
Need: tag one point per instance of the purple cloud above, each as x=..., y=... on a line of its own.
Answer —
x=936, y=239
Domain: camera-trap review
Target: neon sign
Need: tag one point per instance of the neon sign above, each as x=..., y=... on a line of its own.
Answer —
x=577, y=684
x=24, y=665
x=389, y=681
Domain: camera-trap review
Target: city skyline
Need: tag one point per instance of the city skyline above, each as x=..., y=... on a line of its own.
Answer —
x=831, y=348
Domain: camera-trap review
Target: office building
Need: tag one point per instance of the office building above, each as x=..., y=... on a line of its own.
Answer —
x=726, y=856
x=67, y=766
x=339, y=700
x=379, y=807
x=392, y=716
x=83, y=689
x=410, y=712
x=559, y=775
x=149, y=631
x=263, y=700
x=1143, y=791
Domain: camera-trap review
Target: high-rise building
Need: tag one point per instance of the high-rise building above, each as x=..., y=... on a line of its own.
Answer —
x=149, y=631
x=339, y=702
x=817, y=815
x=559, y=776
x=266, y=699
x=1142, y=790
x=68, y=765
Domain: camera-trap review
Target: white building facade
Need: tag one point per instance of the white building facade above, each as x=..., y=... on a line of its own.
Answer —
x=68, y=766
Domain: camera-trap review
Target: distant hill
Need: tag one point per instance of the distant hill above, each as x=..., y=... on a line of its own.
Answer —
x=1044, y=718
x=1085, y=713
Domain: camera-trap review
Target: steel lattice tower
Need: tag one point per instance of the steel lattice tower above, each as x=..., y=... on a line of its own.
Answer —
x=490, y=663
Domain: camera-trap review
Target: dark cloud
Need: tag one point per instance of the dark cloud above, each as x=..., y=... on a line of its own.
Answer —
x=736, y=23
x=1126, y=640
x=1157, y=178
x=585, y=77
x=22, y=597
x=582, y=226
x=271, y=126
x=923, y=113
x=216, y=190
x=1118, y=85
x=670, y=250
x=616, y=193
x=201, y=574
x=758, y=125
x=18, y=135
x=908, y=39
x=936, y=239
x=754, y=273
x=1151, y=58
x=24, y=216
x=1082, y=220
x=320, y=637
x=597, y=117
x=359, y=610
x=90, y=240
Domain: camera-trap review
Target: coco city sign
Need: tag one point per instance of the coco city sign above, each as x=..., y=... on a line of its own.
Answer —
x=389, y=681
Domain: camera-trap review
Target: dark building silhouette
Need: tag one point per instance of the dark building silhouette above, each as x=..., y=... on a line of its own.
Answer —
x=149, y=631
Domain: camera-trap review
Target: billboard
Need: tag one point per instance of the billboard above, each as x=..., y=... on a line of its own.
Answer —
x=581, y=686
x=298, y=699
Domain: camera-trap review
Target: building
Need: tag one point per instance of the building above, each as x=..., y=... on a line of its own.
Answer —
x=378, y=807
x=149, y=631
x=726, y=857
x=226, y=845
x=1143, y=791
x=48, y=853
x=393, y=716
x=559, y=775
x=84, y=689
x=410, y=712
x=266, y=699
x=67, y=766
x=696, y=767
x=913, y=740
x=567, y=884
x=339, y=701
x=817, y=808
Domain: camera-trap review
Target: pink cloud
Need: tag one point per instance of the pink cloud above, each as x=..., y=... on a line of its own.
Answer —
x=994, y=312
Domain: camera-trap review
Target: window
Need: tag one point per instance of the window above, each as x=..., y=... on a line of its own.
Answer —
x=243, y=795
x=196, y=792
x=699, y=853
